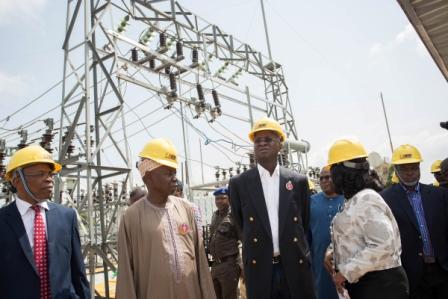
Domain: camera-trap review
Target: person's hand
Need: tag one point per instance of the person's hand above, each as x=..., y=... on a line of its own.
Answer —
x=339, y=282
x=328, y=261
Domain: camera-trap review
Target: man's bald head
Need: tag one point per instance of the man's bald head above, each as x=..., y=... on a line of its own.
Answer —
x=136, y=194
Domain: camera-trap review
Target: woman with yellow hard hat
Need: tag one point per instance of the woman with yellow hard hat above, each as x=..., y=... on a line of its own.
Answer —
x=366, y=243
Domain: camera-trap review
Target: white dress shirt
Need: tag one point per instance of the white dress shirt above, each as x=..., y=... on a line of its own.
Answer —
x=28, y=214
x=271, y=187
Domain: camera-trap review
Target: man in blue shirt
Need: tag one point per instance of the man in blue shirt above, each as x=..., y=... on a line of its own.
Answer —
x=323, y=208
x=421, y=212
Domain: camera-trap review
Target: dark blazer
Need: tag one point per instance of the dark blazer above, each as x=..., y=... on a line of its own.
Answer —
x=18, y=275
x=251, y=217
x=435, y=206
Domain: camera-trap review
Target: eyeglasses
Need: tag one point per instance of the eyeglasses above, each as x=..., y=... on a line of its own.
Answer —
x=408, y=167
x=325, y=177
x=259, y=140
x=40, y=174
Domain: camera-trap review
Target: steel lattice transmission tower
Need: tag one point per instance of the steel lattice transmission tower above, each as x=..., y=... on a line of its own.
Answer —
x=170, y=53
x=89, y=112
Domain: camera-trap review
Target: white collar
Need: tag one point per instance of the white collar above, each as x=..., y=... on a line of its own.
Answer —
x=265, y=173
x=23, y=206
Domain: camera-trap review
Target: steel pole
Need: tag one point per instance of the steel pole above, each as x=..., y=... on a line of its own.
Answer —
x=387, y=123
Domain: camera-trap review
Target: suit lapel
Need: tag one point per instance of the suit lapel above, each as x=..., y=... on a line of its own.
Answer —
x=51, y=217
x=283, y=199
x=15, y=222
x=259, y=202
x=406, y=205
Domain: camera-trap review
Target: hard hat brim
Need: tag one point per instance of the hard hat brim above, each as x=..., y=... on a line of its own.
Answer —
x=280, y=134
x=330, y=163
x=56, y=167
x=407, y=161
x=165, y=163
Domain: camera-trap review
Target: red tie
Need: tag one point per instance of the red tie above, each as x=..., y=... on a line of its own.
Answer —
x=40, y=253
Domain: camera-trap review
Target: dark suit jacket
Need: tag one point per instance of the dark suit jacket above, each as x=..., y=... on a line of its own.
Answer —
x=435, y=206
x=251, y=217
x=18, y=275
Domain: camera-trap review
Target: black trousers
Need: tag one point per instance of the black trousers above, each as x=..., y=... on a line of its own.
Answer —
x=434, y=284
x=279, y=285
x=384, y=284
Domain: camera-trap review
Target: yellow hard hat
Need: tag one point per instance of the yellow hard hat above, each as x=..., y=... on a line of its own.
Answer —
x=436, y=184
x=394, y=178
x=33, y=154
x=162, y=151
x=406, y=154
x=267, y=124
x=345, y=150
x=435, y=167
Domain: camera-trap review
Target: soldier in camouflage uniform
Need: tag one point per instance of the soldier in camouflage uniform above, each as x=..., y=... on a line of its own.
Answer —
x=226, y=267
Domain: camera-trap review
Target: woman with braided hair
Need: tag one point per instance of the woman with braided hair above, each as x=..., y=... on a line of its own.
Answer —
x=366, y=243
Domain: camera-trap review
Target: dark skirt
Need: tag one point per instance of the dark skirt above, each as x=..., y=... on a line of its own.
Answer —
x=384, y=284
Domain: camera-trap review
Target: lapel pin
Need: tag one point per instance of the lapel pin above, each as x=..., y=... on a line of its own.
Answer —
x=289, y=186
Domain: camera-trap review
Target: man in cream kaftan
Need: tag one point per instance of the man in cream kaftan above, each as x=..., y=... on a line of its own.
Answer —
x=160, y=250
x=161, y=254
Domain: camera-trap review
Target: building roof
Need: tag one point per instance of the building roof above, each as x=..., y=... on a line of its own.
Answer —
x=430, y=20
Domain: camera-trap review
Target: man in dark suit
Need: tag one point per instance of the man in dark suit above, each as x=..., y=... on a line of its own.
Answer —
x=270, y=206
x=444, y=174
x=40, y=250
x=421, y=212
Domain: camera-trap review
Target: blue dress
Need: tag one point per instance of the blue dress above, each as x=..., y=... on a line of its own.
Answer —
x=322, y=211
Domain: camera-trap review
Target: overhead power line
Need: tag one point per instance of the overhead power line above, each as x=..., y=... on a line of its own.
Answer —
x=7, y=118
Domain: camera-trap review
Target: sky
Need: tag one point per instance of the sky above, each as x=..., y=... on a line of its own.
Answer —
x=337, y=57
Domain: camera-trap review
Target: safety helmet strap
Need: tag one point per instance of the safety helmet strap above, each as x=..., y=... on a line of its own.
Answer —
x=25, y=184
